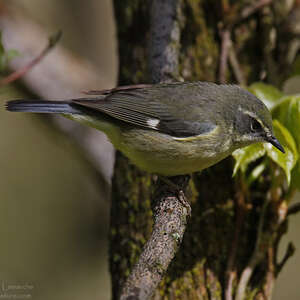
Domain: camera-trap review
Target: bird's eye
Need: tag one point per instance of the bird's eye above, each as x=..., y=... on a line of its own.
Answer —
x=255, y=125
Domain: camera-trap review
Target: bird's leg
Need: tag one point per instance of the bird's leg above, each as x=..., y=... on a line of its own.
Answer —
x=177, y=184
x=184, y=202
x=170, y=183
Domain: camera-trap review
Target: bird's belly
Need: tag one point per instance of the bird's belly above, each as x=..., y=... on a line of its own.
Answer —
x=158, y=153
x=172, y=167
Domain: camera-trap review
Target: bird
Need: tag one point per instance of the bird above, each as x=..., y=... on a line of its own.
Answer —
x=169, y=129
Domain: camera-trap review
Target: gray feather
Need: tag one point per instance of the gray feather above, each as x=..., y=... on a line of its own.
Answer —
x=41, y=106
x=162, y=105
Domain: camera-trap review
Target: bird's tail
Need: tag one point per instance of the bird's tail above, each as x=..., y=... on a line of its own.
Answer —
x=42, y=106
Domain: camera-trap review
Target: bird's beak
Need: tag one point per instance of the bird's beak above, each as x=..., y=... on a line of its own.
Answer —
x=272, y=139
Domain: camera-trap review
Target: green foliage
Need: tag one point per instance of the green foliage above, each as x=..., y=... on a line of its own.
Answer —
x=287, y=160
x=287, y=112
x=256, y=172
x=286, y=123
x=266, y=92
x=244, y=156
x=5, y=56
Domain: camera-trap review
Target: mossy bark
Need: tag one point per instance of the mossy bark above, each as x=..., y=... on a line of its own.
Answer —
x=222, y=234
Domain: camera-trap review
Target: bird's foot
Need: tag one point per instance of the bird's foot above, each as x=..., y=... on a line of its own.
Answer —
x=185, y=202
x=177, y=187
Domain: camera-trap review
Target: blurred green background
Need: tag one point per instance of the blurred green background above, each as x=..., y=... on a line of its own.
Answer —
x=53, y=217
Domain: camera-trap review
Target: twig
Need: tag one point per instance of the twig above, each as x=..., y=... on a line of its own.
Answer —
x=59, y=75
x=53, y=40
x=227, y=51
x=235, y=17
x=225, y=45
x=169, y=213
x=255, y=259
x=251, y=9
x=294, y=208
x=288, y=254
x=269, y=285
x=240, y=204
x=170, y=218
x=234, y=63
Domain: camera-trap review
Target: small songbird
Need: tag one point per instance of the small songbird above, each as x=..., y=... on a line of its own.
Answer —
x=169, y=128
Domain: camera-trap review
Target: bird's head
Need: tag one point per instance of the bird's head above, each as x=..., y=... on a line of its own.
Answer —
x=252, y=121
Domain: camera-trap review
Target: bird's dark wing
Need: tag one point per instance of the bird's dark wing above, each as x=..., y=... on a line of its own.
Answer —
x=117, y=89
x=151, y=107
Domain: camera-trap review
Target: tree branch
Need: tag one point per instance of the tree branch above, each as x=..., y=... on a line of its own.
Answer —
x=230, y=272
x=227, y=50
x=166, y=18
x=170, y=219
x=225, y=45
x=58, y=75
x=255, y=6
x=257, y=256
x=170, y=214
x=53, y=40
x=288, y=254
x=294, y=208
x=234, y=63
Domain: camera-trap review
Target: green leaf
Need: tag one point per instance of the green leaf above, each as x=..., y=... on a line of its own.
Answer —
x=288, y=113
x=293, y=120
x=287, y=160
x=266, y=92
x=256, y=172
x=244, y=156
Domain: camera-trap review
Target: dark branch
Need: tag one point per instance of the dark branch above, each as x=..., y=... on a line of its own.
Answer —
x=170, y=219
x=230, y=273
x=170, y=213
x=165, y=40
x=227, y=50
x=257, y=255
x=288, y=254
x=254, y=7
x=293, y=209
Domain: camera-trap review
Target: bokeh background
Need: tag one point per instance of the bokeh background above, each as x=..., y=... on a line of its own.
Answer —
x=53, y=219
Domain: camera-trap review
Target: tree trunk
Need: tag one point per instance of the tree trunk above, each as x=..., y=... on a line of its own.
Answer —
x=231, y=240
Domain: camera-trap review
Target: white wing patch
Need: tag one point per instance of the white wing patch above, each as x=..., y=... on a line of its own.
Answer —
x=153, y=123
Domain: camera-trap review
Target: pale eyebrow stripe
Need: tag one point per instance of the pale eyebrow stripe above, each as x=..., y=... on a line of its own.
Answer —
x=252, y=115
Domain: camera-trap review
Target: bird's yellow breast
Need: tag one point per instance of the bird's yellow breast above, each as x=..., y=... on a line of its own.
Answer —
x=162, y=154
